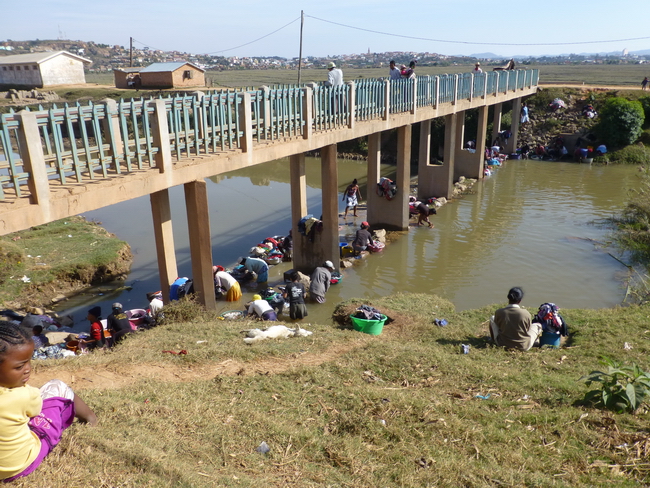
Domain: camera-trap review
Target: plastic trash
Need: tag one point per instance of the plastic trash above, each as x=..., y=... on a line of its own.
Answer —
x=263, y=448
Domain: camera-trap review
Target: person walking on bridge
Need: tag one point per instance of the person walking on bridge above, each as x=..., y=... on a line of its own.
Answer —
x=334, y=75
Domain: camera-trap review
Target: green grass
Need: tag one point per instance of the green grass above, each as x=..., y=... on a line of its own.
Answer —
x=70, y=250
x=341, y=408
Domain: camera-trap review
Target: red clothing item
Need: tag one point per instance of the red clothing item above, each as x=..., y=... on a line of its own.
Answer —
x=96, y=331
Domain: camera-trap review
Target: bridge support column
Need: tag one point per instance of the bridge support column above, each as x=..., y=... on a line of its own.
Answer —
x=298, y=180
x=511, y=146
x=442, y=183
x=426, y=171
x=330, y=197
x=467, y=164
x=198, y=221
x=496, y=122
x=393, y=214
x=162, y=229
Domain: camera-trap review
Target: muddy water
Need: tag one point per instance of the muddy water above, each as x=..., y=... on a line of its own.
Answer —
x=527, y=225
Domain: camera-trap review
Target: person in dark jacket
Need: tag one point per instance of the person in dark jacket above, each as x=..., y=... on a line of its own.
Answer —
x=362, y=238
x=117, y=323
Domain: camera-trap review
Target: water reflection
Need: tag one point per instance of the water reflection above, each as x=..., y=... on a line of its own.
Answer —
x=527, y=225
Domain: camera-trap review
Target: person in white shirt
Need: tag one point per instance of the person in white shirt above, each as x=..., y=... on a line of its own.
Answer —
x=477, y=69
x=395, y=73
x=261, y=309
x=334, y=75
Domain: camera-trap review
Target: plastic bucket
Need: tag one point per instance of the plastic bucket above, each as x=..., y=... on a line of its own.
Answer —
x=372, y=327
x=549, y=339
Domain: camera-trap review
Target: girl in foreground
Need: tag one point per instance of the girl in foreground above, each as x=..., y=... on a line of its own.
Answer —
x=31, y=420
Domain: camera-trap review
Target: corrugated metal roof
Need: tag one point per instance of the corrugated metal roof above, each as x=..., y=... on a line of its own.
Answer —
x=38, y=58
x=128, y=70
x=164, y=67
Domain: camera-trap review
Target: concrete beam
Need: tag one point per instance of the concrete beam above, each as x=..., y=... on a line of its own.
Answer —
x=330, y=197
x=198, y=222
x=164, y=235
x=496, y=122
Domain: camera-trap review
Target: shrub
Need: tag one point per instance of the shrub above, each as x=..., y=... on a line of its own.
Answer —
x=621, y=122
x=645, y=103
x=637, y=154
x=623, y=388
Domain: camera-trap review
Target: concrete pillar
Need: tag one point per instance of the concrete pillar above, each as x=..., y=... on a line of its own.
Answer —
x=162, y=229
x=481, y=133
x=307, y=112
x=330, y=197
x=496, y=121
x=470, y=164
x=112, y=134
x=425, y=174
x=198, y=222
x=514, y=126
x=298, y=180
x=376, y=205
x=160, y=136
x=33, y=158
x=462, y=158
x=246, y=120
x=441, y=184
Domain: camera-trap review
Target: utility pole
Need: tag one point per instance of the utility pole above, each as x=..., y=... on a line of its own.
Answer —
x=131, y=53
x=302, y=21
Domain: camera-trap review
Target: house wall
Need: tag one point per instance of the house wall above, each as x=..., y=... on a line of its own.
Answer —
x=62, y=70
x=161, y=79
x=198, y=77
x=21, y=74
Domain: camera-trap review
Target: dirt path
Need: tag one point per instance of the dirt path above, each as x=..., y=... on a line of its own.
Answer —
x=112, y=376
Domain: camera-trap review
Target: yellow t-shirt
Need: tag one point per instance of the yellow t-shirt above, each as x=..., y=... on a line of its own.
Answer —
x=19, y=446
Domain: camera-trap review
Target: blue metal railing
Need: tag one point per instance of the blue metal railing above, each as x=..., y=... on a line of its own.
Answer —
x=84, y=142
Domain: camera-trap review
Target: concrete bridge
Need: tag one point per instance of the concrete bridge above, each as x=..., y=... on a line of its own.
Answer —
x=65, y=161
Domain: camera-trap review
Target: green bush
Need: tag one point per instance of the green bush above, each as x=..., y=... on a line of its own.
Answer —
x=636, y=154
x=621, y=122
x=623, y=388
x=645, y=103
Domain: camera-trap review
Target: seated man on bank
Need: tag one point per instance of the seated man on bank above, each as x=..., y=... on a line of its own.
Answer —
x=512, y=326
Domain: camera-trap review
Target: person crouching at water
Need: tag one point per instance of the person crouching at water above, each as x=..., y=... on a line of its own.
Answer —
x=423, y=214
x=226, y=282
x=261, y=309
x=362, y=238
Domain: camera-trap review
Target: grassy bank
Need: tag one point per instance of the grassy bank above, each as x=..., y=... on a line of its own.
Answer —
x=341, y=408
x=43, y=262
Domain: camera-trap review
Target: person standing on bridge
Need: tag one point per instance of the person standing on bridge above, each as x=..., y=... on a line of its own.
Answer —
x=394, y=72
x=334, y=75
x=477, y=69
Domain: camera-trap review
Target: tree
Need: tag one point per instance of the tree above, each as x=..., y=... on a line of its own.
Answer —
x=621, y=122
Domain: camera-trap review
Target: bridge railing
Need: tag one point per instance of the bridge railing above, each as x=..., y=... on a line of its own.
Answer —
x=75, y=143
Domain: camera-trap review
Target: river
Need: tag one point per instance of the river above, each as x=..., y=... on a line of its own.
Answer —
x=530, y=225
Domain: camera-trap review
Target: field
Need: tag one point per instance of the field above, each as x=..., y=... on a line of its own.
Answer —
x=343, y=409
x=629, y=75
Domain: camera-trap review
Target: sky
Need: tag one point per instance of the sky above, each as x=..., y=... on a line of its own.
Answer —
x=259, y=28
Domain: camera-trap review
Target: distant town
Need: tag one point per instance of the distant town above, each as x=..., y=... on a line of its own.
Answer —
x=105, y=58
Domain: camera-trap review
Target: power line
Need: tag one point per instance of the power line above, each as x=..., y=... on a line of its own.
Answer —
x=258, y=39
x=477, y=43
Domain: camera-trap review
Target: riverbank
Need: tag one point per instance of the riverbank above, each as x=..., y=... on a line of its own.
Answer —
x=44, y=265
x=344, y=408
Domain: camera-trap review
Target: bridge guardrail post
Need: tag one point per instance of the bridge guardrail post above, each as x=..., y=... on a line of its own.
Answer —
x=437, y=94
x=266, y=111
x=386, y=99
x=485, y=84
x=111, y=126
x=414, y=104
x=307, y=112
x=352, y=103
x=33, y=158
x=199, y=97
x=455, y=90
x=160, y=134
x=246, y=116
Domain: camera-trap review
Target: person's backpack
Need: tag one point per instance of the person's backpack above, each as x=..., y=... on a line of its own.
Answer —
x=549, y=316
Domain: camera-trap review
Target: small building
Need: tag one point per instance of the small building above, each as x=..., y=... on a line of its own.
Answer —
x=124, y=76
x=38, y=70
x=172, y=75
